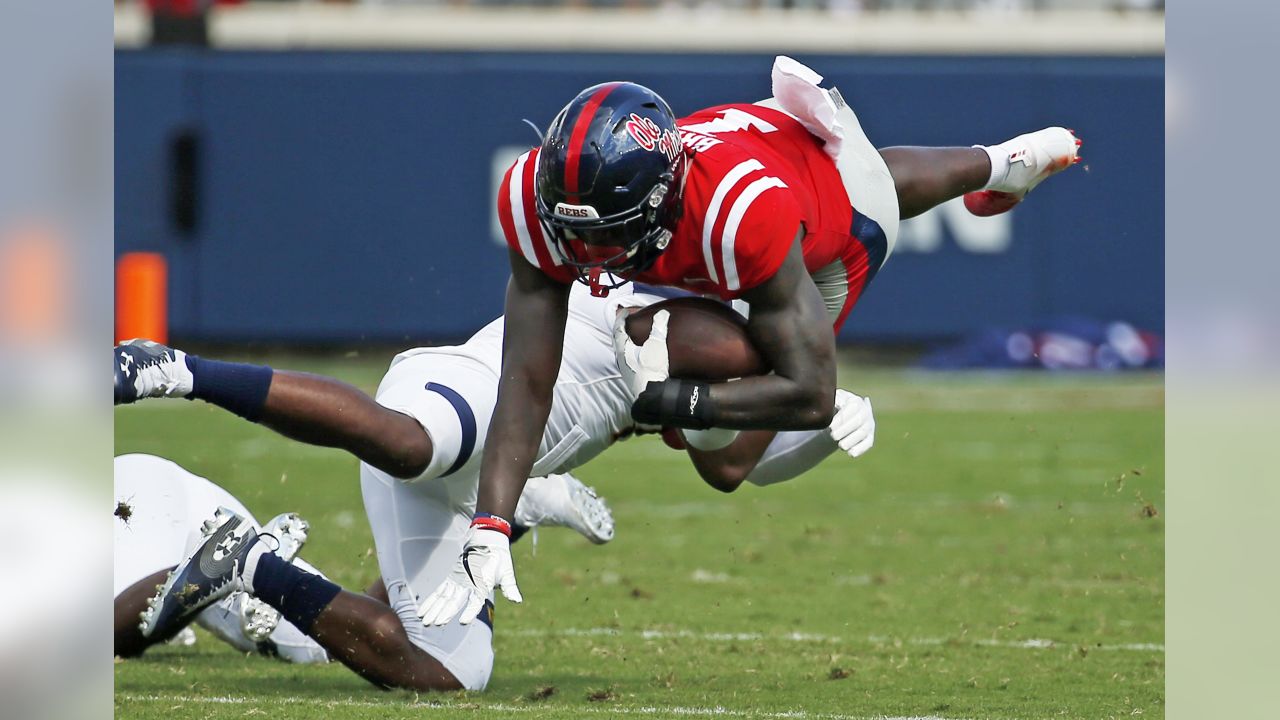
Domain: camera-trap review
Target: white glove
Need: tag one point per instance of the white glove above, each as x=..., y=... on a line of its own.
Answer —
x=485, y=562
x=643, y=364
x=854, y=427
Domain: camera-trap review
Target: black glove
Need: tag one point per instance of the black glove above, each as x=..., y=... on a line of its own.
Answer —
x=675, y=403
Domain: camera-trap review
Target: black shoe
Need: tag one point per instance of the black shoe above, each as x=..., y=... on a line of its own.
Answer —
x=211, y=572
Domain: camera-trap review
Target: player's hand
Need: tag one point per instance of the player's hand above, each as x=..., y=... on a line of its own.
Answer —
x=853, y=427
x=643, y=364
x=485, y=562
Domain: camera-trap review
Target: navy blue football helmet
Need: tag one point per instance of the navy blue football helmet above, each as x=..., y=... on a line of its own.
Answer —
x=610, y=178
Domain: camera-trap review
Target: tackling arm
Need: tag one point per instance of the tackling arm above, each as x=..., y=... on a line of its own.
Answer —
x=762, y=457
x=727, y=468
x=790, y=329
x=533, y=339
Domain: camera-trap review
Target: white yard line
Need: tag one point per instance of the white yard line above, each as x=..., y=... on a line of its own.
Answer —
x=610, y=710
x=1028, y=644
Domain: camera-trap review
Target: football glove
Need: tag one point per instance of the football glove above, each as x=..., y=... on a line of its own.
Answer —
x=642, y=364
x=485, y=562
x=853, y=427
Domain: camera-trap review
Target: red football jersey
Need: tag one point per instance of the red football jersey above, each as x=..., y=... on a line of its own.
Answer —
x=754, y=175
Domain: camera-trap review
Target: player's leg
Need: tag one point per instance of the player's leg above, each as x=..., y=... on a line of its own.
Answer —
x=250, y=625
x=225, y=621
x=926, y=177
x=370, y=638
x=323, y=411
x=239, y=620
x=357, y=630
x=301, y=406
x=362, y=632
x=452, y=399
x=129, y=604
x=418, y=530
x=993, y=179
x=384, y=641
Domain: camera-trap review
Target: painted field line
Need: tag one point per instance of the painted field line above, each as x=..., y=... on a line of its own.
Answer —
x=716, y=711
x=1028, y=644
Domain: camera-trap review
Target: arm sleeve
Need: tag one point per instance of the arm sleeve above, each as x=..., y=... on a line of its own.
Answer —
x=791, y=454
x=520, y=225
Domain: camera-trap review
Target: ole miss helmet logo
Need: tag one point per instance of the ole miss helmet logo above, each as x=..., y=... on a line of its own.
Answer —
x=648, y=135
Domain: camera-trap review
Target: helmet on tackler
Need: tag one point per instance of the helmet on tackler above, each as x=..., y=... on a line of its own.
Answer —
x=609, y=180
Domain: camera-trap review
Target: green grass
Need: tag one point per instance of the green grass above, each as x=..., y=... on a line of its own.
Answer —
x=993, y=557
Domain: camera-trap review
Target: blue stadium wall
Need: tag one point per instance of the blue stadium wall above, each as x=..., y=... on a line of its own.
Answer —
x=349, y=196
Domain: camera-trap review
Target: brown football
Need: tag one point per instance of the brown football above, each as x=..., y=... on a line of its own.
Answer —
x=706, y=340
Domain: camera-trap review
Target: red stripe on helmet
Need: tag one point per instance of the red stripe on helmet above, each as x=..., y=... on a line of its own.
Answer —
x=576, y=138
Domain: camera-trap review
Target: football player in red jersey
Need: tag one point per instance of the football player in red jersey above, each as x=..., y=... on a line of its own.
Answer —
x=784, y=204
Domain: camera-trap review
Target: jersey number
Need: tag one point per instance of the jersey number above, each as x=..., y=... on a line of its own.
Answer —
x=731, y=120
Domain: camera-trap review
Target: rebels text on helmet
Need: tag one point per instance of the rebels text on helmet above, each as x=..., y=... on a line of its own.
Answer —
x=649, y=136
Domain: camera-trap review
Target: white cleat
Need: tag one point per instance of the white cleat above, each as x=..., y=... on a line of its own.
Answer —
x=1021, y=164
x=146, y=369
x=258, y=619
x=563, y=501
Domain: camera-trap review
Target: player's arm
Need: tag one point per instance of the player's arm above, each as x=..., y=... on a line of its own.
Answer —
x=533, y=340
x=726, y=469
x=763, y=457
x=790, y=329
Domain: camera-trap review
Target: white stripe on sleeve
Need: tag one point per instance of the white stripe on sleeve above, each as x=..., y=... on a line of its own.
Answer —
x=736, y=213
x=730, y=179
x=518, y=218
x=552, y=250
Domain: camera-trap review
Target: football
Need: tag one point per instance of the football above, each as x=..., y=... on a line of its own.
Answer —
x=706, y=339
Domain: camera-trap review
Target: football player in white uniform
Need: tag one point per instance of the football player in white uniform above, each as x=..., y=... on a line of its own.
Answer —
x=420, y=441
x=158, y=512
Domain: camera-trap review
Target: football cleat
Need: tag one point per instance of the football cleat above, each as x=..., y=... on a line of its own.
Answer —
x=145, y=369
x=1030, y=159
x=211, y=572
x=258, y=619
x=563, y=501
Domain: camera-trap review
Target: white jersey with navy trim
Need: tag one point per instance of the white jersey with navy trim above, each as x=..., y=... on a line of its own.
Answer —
x=591, y=406
x=419, y=525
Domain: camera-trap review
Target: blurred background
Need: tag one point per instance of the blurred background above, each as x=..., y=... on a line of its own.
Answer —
x=321, y=176
x=324, y=173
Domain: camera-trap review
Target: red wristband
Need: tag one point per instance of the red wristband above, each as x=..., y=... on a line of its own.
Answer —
x=487, y=521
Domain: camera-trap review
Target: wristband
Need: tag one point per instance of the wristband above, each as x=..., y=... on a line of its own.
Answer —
x=488, y=521
x=675, y=403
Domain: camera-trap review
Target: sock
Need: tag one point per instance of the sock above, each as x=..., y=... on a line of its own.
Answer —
x=300, y=596
x=266, y=545
x=238, y=387
x=999, y=164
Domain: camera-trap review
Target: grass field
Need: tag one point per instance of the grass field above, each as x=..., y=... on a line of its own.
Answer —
x=999, y=554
